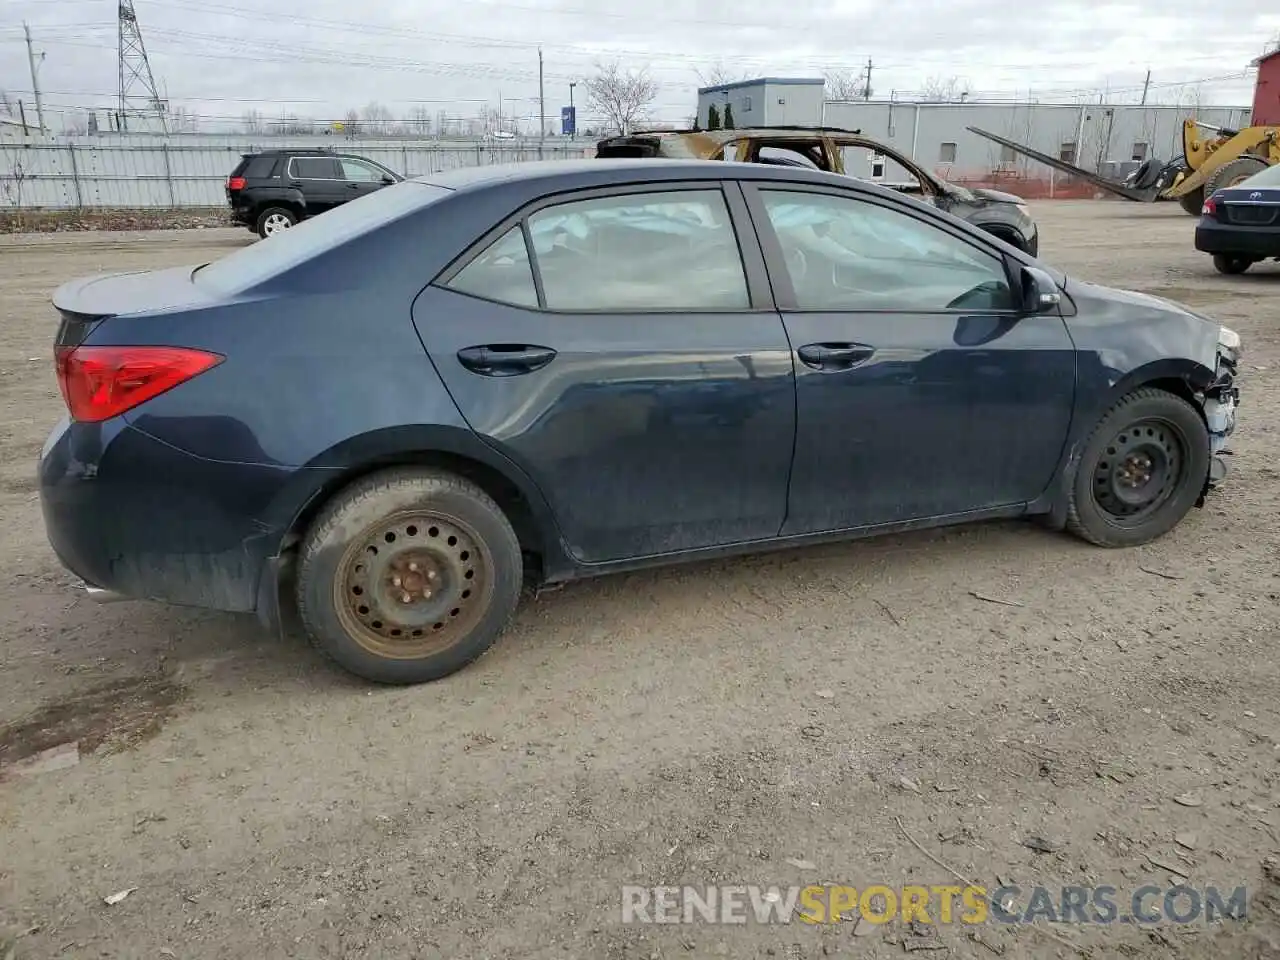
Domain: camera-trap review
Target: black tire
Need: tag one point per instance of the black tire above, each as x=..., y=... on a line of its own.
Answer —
x=1149, y=434
x=1193, y=202
x=1226, y=263
x=270, y=217
x=437, y=537
x=1232, y=172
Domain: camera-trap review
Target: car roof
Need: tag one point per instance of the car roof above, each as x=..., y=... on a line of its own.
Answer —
x=603, y=172
x=736, y=133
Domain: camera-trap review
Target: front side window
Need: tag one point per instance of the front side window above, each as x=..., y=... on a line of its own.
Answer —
x=673, y=250
x=315, y=168
x=360, y=171
x=850, y=255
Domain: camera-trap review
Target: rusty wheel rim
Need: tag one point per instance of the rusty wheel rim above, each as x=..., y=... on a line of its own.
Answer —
x=413, y=585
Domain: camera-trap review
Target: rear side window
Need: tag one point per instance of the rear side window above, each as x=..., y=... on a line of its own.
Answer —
x=674, y=250
x=316, y=168
x=502, y=272
x=634, y=253
x=260, y=168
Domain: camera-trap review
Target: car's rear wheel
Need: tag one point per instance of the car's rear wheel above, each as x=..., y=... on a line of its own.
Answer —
x=1143, y=467
x=408, y=575
x=1226, y=263
x=275, y=220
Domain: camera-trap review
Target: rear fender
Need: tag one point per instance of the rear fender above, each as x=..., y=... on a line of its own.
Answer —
x=310, y=487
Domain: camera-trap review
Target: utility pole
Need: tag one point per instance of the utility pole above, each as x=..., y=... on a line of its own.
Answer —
x=542, y=107
x=1145, y=86
x=35, y=80
x=866, y=90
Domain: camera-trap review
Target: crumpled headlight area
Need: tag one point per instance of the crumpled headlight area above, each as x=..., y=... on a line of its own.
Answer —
x=1228, y=339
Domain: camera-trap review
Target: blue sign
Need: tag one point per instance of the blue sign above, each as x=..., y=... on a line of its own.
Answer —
x=568, y=121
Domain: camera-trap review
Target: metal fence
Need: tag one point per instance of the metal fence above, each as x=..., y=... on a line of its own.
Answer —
x=167, y=174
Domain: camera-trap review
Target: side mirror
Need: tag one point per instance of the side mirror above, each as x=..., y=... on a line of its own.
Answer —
x=1039, y=292
x=388, y=180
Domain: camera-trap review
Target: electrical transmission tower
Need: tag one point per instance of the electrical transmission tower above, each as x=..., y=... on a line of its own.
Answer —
x=138, y=94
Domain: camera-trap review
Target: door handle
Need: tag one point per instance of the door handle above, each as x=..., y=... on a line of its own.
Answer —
x=834, y=356
x=353, y=186
x=505, y=359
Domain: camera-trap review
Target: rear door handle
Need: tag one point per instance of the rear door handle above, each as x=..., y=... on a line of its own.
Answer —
x=505, y=359
x=834, y=356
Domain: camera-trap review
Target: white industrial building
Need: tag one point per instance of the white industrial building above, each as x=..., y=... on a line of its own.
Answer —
x=1108, y=138
x=764, y=102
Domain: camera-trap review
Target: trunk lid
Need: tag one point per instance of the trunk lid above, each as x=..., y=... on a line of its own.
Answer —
x=144, y=291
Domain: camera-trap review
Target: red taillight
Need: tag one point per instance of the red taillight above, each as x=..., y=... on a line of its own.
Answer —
x=102, y=382
x=1210, y=208
x=235, y=183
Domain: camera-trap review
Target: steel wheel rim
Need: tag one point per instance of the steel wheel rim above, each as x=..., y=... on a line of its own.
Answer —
x=1139, y=471
x=275, y=223
x=436, y=561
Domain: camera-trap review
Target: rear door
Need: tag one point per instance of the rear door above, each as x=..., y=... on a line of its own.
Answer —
x=321, y=181
x=922, y=390
x=635, y=366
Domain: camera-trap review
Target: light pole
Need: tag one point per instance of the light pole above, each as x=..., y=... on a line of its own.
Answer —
x=574, y=132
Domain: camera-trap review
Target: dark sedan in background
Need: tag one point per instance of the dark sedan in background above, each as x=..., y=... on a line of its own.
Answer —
x=1240, y=225
x=398, y=413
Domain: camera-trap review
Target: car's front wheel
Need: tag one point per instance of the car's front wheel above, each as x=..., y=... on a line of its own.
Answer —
x=408, y=575
x=1142, y=469
x=275, y=220
x=1225, y=263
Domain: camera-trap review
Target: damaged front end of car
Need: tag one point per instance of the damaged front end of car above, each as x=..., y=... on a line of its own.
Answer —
x=1221, y=400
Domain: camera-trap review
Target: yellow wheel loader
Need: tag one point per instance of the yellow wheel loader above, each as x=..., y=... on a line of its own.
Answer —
x=1222, y=158
x=1208, y=163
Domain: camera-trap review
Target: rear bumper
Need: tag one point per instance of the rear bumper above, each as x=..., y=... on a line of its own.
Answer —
x=1259, y=242
x=137, y=518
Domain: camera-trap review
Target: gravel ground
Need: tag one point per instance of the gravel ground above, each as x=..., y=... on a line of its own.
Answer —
x=822, y=715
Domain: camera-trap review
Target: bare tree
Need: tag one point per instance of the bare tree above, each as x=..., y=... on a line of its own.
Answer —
x=718, y=74
x=621, y=97
x=7, y=109
x=377, y=119
x=252, y=121
x=944, y=90
x=845, y=85
x=418, y=122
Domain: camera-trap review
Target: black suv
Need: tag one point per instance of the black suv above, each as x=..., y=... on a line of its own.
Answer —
x=273, y=190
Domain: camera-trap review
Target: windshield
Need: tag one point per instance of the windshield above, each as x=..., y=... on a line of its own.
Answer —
x=1269, y=177
x=250, y=266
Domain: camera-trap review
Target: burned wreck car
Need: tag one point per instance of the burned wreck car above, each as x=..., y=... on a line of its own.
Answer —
x=834, y=150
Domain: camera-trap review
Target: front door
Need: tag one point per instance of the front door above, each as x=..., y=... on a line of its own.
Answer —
x=632, y=369
x=922, y=390
x=362, y=177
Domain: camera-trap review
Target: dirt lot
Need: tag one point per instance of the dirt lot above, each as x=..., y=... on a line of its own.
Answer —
x=801, y=717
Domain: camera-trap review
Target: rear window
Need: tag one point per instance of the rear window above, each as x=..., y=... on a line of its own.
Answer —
x=316, y=168
x=259, y=262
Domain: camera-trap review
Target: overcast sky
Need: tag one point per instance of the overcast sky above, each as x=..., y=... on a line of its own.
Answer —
x=317, y=58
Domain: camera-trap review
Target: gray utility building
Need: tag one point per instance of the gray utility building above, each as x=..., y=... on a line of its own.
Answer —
x=764, y=102
x=1108, y=138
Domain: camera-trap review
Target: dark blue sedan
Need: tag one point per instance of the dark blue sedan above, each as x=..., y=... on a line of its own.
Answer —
x=1240, y=224
x=398, y=413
